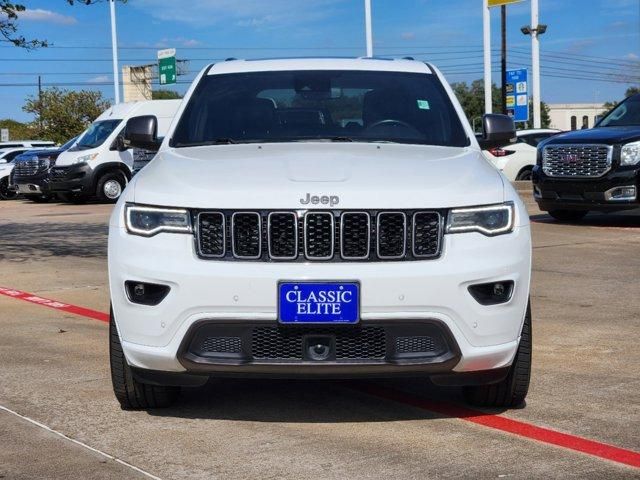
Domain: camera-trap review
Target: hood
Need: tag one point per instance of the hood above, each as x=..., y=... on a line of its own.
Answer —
x=47, y=153
x=280, y=175
x=608, y=135
x=69, y=157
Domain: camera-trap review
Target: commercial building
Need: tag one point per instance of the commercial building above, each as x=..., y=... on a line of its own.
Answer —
x=574, y=116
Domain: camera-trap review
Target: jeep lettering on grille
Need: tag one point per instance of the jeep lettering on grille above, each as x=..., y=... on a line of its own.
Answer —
x=330, y=200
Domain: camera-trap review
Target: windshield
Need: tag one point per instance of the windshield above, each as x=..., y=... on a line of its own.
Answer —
x=626, y=114
x=362, y=106
x=96, y=134
x=67, y=145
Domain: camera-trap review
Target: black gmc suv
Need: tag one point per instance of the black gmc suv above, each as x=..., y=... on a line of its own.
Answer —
x=591, y=170
x=31, y=173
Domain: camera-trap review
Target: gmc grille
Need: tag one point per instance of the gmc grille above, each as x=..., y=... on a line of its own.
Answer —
x=319, y=235
x=29, y=167
x=576, y=161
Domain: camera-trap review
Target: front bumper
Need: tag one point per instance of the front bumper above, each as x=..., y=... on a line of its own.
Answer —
x=32, y=184
x=393, y=294
x=74, y=178
x=585, y=193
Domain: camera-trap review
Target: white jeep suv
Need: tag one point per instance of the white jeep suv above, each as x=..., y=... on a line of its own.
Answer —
x=319, y=218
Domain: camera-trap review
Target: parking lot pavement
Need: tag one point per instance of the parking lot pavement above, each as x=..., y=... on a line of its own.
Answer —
x=54, y=370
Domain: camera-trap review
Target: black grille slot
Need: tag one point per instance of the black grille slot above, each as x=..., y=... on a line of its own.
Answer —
x=283, y=235
x=319, y=235
x=426, y=234
x=221, y=345
x=354, y=235
x=278, y=343
x=211, y=234
x=415, y=345
x=59, y=173
x=246, y=234
x=392, y=228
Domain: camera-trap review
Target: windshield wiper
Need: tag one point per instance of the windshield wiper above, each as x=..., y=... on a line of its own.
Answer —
x=217, y=141
x=341, y=139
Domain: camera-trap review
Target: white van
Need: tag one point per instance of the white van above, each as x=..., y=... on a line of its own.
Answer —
x=100, y=164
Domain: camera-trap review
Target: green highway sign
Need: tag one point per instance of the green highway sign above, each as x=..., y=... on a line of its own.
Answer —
x=167, y=72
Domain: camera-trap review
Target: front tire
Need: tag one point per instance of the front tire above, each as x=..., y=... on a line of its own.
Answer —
x=5, y=193
x=110, y=187
x=525, y=174
x=132, y=394
x=568, y=215
x=512, y=391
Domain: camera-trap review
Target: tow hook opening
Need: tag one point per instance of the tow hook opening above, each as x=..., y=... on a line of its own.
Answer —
x=319, y=348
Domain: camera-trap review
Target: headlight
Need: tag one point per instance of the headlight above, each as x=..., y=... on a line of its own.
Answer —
x=148, y=221
x=85, y=158
x=630, y=154
x=489, y=220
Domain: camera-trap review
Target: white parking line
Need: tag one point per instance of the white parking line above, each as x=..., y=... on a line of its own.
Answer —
x=77, y=442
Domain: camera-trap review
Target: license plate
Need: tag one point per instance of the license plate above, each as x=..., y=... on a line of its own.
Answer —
x=319, y=302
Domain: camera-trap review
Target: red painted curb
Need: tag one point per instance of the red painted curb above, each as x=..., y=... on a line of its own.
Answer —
x=504, y=424
x=497, y=422
x=45, y=302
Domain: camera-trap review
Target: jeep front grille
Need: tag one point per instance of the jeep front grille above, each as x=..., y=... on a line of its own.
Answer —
x=312, y=235
x=576, y=161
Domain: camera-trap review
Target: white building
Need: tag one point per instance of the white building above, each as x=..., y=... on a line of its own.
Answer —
x=574, y=116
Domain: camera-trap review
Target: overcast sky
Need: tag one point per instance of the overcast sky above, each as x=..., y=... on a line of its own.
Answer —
x=589, y=53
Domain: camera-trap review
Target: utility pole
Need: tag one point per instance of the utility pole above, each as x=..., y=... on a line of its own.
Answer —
x=535, y=30
x=486, y=30
x=40, y=103
x=535, y=62
x=503, y=59
x=114, y=48
x=367, y=24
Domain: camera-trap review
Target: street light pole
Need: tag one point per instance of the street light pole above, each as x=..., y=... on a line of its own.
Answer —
x=486, y=30
x=367, y=23
x=114, y=48
x=535, y=63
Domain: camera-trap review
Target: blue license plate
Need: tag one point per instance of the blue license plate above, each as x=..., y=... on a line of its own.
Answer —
x=319, y=302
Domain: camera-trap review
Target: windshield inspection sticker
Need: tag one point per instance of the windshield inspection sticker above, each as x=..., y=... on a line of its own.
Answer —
x=423, y=104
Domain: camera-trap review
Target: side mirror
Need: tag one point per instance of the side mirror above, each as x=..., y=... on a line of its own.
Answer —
x=596, y=120
x=142, y=132
x=2, y=160
x=497, y=131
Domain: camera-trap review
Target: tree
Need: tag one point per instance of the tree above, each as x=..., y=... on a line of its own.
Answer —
x=608, y=106
x=63, y=114
x=471, y=97
x=164, y=95
x=545, y=117
x=9, y=14
x=17, y=130
x=9, y=30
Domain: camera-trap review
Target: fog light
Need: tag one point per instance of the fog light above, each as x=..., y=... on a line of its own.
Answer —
x=145, y=293
x=492, y=293
x=621, y=194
